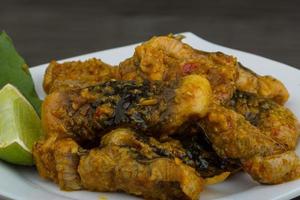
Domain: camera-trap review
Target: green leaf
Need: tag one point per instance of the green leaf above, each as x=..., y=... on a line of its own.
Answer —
x=14, y=70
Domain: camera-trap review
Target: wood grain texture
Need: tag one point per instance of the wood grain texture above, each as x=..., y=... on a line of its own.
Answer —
x=55, y=29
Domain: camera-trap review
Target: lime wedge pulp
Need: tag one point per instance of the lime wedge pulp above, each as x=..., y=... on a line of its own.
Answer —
x=20, y=127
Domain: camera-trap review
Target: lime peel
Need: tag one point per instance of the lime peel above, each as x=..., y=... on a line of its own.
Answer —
x=20, y=126
x=17, y=141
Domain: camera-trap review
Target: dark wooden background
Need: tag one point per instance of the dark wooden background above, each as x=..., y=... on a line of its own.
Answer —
x=55, y=29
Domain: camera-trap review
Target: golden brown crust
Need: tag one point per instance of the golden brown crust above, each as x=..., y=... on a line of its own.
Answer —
x=263, y=147
x=263, y=86
x=234, y=137
x=274, y=169
x=84, y=114
x=266, y=160
x=272, y=119
x=76, y=74
x=52, y=110
x=167, y=58
x=57, y=160
x=43, y=154
x=114, y=168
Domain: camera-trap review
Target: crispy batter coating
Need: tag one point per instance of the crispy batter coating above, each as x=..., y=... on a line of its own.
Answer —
x=57, y=160
x=206, y=162
x=234, y=137
x=83, y=116
x=167, y=58
x=126, y=163
x=43, y=154
x=77, y=74
x=116, y=168
x=266, y=160
x=86, y=114
x=244, y=125
x=273, y=169
x=270, y=118
x=263, y=86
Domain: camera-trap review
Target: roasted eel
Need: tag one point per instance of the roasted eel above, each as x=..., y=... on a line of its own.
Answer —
x=128, y=163
x=265, y=159
x=262, y=86
x=196, y=114
x=167, y=58
x=123, y=161
x=75, y=75
x=156, y=109
x=273, y=120
x=201, y=155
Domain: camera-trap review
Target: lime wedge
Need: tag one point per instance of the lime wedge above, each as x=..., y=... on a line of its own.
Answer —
x=20, y=127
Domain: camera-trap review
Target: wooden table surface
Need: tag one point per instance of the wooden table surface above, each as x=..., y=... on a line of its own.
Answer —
x=56, y=29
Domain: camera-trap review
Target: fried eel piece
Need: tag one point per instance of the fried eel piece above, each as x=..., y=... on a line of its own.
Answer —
x=194, y=151
x=262, y=86
x=232, y=136
x=167, y=58
x=125, y=164
x=57, y=160
x=124, y=161
x=151, y=108
x=74, y=75
x=272, y=119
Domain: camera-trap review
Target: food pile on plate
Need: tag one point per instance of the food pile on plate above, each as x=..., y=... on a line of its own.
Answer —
x=164, y=123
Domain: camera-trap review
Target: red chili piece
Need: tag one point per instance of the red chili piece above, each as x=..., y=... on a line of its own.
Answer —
x=188, y=68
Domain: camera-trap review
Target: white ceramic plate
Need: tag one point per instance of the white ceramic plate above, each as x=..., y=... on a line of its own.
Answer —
x=24, y=183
